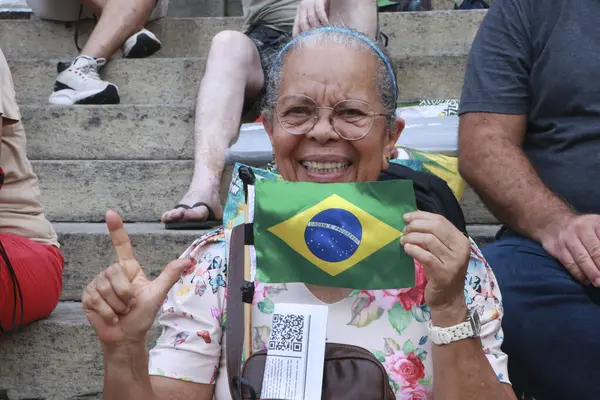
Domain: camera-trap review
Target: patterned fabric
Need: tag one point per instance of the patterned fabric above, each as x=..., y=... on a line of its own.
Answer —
x=390, y=323
x=446, y=167
x=235, y=207
x=428, y=108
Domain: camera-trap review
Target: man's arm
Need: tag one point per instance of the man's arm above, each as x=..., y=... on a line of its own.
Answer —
x=495, y=99
x=508, y=185
x=513, y=191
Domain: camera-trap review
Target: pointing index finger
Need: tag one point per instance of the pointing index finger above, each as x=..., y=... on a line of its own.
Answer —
x=121, y=243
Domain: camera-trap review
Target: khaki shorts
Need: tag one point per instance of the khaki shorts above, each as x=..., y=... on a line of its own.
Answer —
x=68, y=10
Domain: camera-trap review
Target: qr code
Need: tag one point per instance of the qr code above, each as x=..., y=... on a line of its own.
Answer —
x=287, y=332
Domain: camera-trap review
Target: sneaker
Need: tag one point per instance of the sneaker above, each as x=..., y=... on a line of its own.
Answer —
x=142, y=44
x=80, y=83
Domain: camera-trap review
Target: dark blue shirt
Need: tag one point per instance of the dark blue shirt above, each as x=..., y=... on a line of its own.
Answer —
x=542, y=59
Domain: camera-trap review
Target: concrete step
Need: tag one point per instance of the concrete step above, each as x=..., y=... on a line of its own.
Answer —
x=197, y=8
x=177, y=8
x=58, y=358
x=82, y=191
x=449, y=4
x=109, y=132
x=416, y=34
x=87, y=249
x=163, y=133
x=156, y=81
x=175, y=81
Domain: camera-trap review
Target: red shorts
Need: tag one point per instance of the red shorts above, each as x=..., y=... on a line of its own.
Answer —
x=38, y=269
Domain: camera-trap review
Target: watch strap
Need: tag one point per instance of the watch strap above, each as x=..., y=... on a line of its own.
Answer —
x=450, y=334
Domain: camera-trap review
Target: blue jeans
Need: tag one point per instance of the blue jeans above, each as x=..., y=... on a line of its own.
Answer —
x=551, y=322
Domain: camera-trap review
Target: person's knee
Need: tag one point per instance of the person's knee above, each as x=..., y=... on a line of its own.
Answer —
x=232, y=47
x=361, y=15
x=351, y=4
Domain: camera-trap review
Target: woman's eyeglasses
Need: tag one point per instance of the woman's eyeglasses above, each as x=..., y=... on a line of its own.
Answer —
x=351, y=119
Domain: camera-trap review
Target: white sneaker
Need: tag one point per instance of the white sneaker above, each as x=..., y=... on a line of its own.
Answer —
x=81, y=84
x=142, y=44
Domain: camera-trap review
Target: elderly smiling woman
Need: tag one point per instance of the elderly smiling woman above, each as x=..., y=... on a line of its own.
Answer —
x=329, y=73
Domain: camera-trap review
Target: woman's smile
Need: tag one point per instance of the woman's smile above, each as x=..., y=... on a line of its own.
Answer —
x=323, y=169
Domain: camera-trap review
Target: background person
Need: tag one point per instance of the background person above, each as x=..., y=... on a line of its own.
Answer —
x=530, y=146
x=234, y=83
x=31, y=263
x=120, y=25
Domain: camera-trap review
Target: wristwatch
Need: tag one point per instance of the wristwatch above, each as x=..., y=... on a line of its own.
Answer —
x=468, y=329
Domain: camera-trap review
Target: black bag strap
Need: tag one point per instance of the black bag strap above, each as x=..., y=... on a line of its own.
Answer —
x=234, y=332
x=239, y=291
x=432, y=193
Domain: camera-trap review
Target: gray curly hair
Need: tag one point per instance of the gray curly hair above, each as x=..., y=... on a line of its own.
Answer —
x=385, y=78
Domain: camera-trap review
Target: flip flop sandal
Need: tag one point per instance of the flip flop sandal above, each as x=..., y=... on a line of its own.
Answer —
x=208, y=223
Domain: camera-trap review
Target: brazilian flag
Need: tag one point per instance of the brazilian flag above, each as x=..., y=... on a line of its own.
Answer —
x=338, y=234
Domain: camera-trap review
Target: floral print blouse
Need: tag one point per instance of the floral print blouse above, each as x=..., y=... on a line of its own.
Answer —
x=392, y=324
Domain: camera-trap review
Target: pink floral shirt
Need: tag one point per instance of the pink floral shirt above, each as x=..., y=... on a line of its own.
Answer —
x=392, y=324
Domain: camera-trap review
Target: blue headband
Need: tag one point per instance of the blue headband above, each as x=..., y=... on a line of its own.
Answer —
x=362, y=37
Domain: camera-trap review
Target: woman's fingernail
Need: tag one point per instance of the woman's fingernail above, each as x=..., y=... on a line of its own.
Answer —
x=597, y=282
x=115, y=320
x=132, y=301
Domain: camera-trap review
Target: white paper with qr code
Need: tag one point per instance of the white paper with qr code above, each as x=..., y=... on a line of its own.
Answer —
x=296, y=352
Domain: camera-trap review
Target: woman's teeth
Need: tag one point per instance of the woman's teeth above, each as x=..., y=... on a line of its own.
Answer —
x=324, y=167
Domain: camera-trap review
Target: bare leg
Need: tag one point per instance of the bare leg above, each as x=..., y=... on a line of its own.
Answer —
x=118, y=21
x=233, y=72
x=356, y=14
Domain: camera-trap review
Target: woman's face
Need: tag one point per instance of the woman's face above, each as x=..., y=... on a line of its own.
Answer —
x=329, y=74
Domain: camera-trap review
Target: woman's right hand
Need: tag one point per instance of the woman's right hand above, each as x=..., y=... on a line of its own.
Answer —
x=121, y=303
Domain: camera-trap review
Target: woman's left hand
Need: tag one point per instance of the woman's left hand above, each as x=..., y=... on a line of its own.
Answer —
x=444, y=252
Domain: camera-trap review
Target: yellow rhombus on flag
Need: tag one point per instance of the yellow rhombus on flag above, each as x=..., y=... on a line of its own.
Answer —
x=341, y=234
x=292, y=232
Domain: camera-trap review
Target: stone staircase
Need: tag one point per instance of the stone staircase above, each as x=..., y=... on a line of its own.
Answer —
x=137, y=158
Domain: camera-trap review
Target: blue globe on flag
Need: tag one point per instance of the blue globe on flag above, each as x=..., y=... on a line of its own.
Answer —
x=333, y=235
